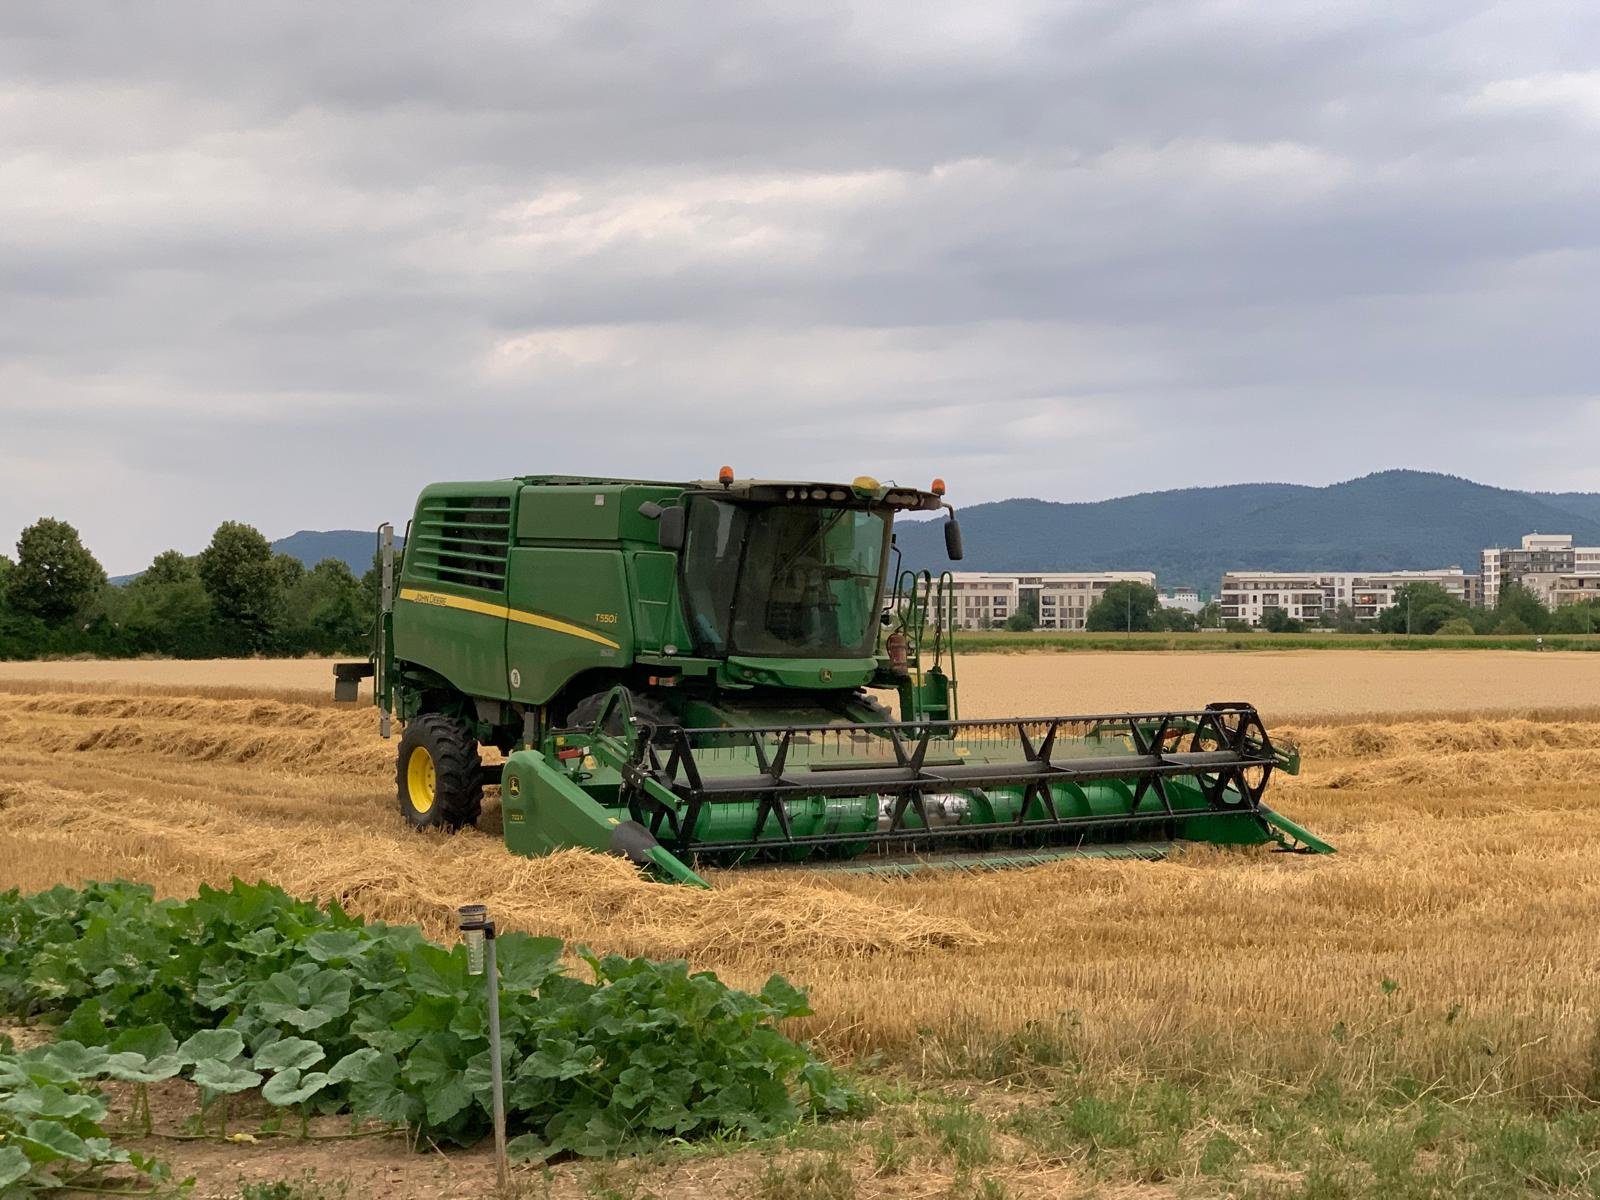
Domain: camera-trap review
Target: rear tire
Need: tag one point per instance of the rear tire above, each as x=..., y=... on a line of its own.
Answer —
x=587, y=711
x=438, y=776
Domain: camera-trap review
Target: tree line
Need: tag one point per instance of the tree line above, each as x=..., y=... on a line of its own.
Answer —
x=235, y=598
x=1419, y=608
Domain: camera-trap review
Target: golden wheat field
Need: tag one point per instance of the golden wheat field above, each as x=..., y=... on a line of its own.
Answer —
x=1456, y=936
x=1282, y=684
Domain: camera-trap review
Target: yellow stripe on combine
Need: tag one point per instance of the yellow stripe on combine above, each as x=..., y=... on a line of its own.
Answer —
x=484, y=608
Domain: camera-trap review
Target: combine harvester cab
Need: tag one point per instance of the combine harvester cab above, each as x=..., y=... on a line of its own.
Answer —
x=683, y=674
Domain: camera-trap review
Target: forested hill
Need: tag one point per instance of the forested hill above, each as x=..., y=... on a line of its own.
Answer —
x=1391, y=521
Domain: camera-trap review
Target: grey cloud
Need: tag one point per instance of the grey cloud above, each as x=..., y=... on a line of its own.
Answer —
x=284, y=263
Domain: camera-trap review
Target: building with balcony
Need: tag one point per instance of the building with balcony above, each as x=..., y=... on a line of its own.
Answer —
x=1248, y=596
x=1540, y=554
x=1060, y=600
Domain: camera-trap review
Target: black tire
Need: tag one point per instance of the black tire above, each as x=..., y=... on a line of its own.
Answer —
x=587, y=711
x=438, y=776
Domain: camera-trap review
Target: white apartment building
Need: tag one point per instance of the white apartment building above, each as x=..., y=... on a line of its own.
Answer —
x=1540, y=554
x=1061, y=599
x=1187, y=600
x=1557, y=591
x=1305, y=595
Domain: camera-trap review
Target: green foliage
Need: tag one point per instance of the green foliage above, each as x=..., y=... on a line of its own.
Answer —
x=306, y=1187
x=51, y=1114
x=1520, y=611
x=235, y=598
x=55, y=577
x=1125, y=606
x=1174, y=620
x=1573, y=618
x=1421, y=608
x=249, y=987
x=167, y=569
x=1278, y=620
x=1456, y=627
x=244, y=584
x=1021, y=621
x=327, y=611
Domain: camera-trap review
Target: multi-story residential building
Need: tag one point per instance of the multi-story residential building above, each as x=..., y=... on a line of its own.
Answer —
x=1249, y=596
x=1540, y=554
x=1059, y=599
x=1557, y=591
x=1306, y=595
x=1187, y=600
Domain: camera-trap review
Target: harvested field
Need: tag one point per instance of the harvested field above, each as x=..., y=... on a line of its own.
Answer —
x=1454, y=837
x=1282, y=684
x=1452, y=941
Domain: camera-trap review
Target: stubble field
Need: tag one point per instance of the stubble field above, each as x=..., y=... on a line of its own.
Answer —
x=1446, y=956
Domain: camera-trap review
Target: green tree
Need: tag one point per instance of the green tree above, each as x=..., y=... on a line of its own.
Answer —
x=1572, y=618
x=1511, y=623
x=55, y=577
x=1125, y=606
x=327, y=613
x=1211, y=616
x=168, y=568
x=1345, y=619
x=1175, y=620
x=6, y=568
x=1517, y=601
x=1420, y=608
x=290, y=570
x=1278, y=620
x=242, y=581
x=1022, y=621
x=1455, y=627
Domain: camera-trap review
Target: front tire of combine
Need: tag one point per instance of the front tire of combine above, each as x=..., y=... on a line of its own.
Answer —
x=438, y=777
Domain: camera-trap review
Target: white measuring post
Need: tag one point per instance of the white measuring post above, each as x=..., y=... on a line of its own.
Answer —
x=477, y=931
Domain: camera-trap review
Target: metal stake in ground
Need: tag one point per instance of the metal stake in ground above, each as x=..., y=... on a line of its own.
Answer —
x=477, y=930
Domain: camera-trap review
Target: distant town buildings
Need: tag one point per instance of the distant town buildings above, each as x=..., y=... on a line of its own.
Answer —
x=1248, y=596
x=1059, y=599
x=1548, y=564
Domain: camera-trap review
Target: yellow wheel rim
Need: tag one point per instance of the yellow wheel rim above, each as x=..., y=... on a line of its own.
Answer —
x=419, y=779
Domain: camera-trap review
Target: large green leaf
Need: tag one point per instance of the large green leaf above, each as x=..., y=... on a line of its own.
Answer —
x=132, y=1067
x=291, y=1087
x=52, y=1103
x=223, y=1078
x=14, y=1165
x=324, y=997
x=223, y=1045
x=152, y=1041
x=289, y=1054
x=50, y=1141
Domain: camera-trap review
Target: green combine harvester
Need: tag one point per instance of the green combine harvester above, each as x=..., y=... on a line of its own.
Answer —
x=684, y=674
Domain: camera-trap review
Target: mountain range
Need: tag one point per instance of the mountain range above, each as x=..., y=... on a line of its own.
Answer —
x=1393, y=520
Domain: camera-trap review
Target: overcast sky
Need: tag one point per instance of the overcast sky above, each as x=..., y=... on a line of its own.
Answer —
x=287, y=262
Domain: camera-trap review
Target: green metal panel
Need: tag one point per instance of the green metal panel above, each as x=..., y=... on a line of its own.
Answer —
x=657, y=619
x=570, y=514
x=569, y=613
x=449, y=613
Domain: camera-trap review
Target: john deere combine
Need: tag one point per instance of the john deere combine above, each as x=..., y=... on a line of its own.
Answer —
x=680, y=673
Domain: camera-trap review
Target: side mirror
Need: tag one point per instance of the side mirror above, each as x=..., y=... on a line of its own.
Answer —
x=952, y=540
x=669, y=534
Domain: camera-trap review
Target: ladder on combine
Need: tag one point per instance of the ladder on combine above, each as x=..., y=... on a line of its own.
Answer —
x=923, y=609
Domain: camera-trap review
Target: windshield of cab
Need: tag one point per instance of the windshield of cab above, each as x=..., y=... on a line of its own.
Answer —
x=783, y=581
